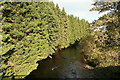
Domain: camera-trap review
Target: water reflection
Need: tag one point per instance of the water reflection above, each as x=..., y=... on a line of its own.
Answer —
x=65, y=64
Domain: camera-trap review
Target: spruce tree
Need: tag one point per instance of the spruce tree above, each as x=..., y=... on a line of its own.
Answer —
x=34, y=31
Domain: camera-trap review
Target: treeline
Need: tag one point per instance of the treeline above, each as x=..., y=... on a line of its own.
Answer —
x=33, y=31
x=102, y=46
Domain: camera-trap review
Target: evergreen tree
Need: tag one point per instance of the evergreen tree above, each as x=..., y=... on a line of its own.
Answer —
x=34, y=31
x=110, y=21
x=106, y=41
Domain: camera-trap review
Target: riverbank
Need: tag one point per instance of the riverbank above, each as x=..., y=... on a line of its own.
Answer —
x=69, y=63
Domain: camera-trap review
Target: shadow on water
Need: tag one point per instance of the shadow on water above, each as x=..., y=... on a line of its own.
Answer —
x=69, y=64
x=65, y=64
x=107, y=72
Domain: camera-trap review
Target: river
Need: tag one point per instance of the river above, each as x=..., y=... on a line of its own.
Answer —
x=69, y=63
x=64, y=64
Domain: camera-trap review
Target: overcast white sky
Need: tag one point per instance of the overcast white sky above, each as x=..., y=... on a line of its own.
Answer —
x=79, y=8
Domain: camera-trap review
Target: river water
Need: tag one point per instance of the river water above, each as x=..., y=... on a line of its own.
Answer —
x=64, y=64
x=69, y=63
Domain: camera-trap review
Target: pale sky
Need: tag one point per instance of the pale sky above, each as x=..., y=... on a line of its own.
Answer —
x=79, y=8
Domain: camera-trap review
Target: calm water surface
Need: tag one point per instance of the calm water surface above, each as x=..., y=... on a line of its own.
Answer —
x=64, y=64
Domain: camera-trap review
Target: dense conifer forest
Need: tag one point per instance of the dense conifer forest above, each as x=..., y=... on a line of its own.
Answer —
x=32, y=31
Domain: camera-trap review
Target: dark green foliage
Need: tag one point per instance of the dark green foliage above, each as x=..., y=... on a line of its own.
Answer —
x=33, y=31
x=111, y=21
x=105, y=44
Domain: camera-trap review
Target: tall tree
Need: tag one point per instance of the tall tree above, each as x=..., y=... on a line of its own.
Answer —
x=34, y=31
x=111, y=20
x=108, y=39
